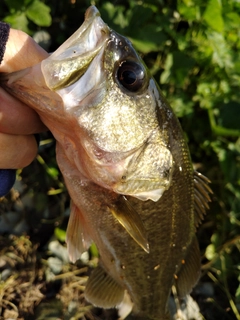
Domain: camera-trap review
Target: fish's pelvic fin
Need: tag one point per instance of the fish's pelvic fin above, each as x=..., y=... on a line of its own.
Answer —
x=102, y=291
x=202, y=193
x=128, y=217
x=77, y=238
x=190, y=271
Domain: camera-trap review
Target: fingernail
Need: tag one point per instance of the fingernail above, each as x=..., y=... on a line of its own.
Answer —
x=7, y=179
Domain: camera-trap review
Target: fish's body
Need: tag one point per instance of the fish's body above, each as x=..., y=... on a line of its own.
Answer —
x=126, y=165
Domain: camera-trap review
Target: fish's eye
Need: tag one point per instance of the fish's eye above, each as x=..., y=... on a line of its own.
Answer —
x=131, y=75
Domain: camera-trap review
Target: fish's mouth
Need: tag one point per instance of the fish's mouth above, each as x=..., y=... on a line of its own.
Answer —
x=70, y=61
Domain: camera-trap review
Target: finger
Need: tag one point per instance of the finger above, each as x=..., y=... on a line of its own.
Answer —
x=17, y=151
x=17, y=118
x=22, y=52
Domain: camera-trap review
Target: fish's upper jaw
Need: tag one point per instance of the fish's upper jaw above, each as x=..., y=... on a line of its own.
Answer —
x=70, y=61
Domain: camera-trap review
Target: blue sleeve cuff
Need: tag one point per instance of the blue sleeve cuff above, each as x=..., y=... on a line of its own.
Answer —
x=7, y=179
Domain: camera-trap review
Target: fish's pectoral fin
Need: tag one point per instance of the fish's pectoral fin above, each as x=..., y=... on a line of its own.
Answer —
x=77, y=238
x=128, y=217
x=190, y=271
x=202, y=193
x=102, y=290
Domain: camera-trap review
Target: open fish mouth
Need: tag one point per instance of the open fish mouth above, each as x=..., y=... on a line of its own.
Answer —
x=71, y=60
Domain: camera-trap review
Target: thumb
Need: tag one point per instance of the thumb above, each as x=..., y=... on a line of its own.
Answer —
x=21, y=52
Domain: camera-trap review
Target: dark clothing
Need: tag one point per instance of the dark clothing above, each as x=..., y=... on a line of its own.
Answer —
x=7, y=179
x=4, y=33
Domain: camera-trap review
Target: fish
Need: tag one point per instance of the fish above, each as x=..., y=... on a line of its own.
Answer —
x=126, y=165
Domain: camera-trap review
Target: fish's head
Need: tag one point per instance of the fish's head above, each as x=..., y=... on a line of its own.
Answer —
x=119, y=110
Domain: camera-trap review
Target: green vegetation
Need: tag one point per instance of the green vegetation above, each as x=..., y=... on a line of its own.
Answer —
x=193, y=50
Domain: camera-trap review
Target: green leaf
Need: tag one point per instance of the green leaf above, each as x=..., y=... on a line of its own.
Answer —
x=60, y=234
x=219, y=130
x=93, y=250
x=229, y=115
x=210, y=252
x=18, y=21
x=39, y=13
x=237, y=294
x=140, y=16
x=178, y=65
x=167, y=69
x=181, y=104
x=213, y=15
x=53, y=172
x=189, y=10
x=233, y=20
x=222, y=54
x=114, y=16
x=27, y=2
x=148, y=39
x=15, y=5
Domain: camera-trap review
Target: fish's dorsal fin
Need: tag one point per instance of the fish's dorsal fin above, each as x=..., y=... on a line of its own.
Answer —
x=190, y=270
x=77, y=238
x=201, y=196
x=102, y=290
x=128, y=217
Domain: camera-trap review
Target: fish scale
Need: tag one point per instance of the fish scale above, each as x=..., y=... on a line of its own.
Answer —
x=126, y=166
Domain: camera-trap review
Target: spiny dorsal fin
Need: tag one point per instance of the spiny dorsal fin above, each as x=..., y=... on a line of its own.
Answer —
x=201, y=196
x=128, y=217
x=189, y=273
x=102, y=291
x=77, y=238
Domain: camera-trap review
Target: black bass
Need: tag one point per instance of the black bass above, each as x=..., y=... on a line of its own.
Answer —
x=126, y=165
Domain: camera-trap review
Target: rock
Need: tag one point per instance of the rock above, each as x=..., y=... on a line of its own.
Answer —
x=58, y=250
x=55, y=265
x=189, y=309
x=6, y=273
x=43, y=38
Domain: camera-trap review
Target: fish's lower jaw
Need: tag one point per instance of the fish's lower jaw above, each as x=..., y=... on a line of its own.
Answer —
x=91, y=12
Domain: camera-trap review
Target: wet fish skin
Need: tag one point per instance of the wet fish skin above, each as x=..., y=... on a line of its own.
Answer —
x=149, y=285
x=124, y=159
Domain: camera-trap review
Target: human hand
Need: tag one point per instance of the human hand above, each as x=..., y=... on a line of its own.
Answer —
x=18, y=122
